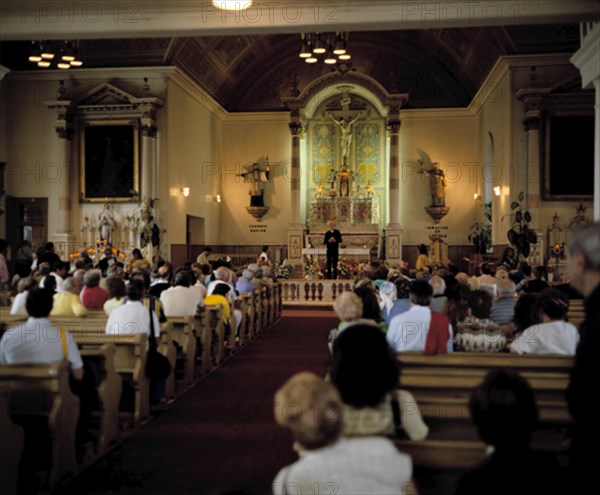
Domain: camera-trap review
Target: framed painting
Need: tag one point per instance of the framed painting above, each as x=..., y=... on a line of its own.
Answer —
x=568, y=156
x=110, y=161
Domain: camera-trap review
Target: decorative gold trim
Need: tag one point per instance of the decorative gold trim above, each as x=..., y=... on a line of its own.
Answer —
x=257, y=211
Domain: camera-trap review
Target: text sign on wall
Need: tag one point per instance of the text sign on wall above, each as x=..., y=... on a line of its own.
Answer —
x=257, y=228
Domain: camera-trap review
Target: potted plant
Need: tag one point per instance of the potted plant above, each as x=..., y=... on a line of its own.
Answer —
x=481, y=233
x=520, y=235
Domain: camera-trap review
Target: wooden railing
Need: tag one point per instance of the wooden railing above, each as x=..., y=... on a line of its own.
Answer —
x=313, y=292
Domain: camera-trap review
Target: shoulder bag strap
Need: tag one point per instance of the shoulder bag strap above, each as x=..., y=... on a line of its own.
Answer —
x=63, y=341
x=151, y=337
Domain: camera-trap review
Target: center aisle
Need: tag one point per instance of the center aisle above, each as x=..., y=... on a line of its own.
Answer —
x=220, y=436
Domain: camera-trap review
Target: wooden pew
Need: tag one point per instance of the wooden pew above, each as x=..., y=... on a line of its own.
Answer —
x=248, y=317
x=215, y=323
x=442, y=386
x=109, y=392
x=43, y=391
x=181, y=329
x=203, y=333
x=97, y=325
x=576, y=312
x=130, y=363
x=12, y=445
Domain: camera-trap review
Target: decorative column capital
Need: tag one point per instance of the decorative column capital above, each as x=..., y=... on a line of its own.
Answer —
x=531, y=99
x=296, y=128
x=393, y=125
x=64, y=121
x=148, y=129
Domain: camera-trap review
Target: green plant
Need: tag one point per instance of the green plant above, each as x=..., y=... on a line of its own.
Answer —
x=520, y=235
x=481, y=233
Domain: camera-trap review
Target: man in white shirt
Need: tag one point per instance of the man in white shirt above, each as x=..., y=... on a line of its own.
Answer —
x=132, y=317
x=408, y=331
x=181, y=300
x=312, y=409
x=38, y=340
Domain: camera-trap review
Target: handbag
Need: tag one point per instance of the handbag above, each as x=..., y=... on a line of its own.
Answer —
x=158, y=367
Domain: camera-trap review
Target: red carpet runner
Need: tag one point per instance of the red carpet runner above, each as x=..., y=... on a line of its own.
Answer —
x=220, y=437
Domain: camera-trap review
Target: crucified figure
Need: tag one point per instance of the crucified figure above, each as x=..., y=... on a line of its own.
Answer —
x=345, y=126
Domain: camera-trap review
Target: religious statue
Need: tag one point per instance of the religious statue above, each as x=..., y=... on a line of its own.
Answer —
x=149, y=231
x=256, y=175
x=345, y=125
x=106, y=224
x=437, y=184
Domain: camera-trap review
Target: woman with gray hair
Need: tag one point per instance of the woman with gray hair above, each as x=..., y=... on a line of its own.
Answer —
x=349, y=309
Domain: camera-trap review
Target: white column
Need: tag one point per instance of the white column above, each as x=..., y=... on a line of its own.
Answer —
x=587, y=60
x=147, y=161
x=296, y=227
x=393, y=231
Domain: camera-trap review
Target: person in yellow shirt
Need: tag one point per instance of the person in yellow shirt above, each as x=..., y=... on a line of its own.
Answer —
x=219, y=296
x=423, y=258
x=68, y=303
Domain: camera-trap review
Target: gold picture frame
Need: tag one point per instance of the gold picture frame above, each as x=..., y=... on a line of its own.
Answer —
x=110, y=170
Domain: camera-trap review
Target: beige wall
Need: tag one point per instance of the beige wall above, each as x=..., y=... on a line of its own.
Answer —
x=190, y=154
x=246, y=138
x=447, y=138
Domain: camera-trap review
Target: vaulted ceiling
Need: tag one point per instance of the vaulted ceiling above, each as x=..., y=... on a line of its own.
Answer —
x=437, y=67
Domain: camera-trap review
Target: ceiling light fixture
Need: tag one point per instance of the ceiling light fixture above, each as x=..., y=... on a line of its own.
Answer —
x=232, y=4
x=334, y=45
x=63, y=54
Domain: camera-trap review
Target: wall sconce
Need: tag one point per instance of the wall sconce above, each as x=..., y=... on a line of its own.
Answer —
x=185, y=191
x=215, y=199
x=498, y=190
x=476, y=196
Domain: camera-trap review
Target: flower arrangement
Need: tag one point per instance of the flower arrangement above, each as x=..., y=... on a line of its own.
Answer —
x=344, y=268
x=283, y=269
x=312, y=269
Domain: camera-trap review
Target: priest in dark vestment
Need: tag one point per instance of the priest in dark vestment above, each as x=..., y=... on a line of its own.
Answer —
x=333, y=239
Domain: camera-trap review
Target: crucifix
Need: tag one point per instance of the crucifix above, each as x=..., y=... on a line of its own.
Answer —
x=344, y=120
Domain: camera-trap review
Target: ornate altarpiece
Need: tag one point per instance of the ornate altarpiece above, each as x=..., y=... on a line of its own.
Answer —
x=346, y=173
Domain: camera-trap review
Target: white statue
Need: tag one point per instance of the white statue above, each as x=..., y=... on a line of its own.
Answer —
x=345, y=126
x=106, y=224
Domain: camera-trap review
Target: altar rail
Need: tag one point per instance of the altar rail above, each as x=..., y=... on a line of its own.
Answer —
x=301, y=292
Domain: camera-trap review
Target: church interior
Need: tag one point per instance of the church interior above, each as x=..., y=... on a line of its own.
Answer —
x=443, y=124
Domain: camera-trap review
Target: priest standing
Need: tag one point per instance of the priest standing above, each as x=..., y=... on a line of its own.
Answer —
x=333, y=239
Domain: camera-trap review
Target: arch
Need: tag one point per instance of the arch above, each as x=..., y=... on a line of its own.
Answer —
x=325, y=86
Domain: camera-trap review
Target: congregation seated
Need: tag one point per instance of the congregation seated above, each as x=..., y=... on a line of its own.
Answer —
x=457, y=305
x=181, y=299
x=366, y=375
x=59, y=271
x=23, y=287
x=106, y=261
x=368, y=295
x=68, y=302
x=244, y=283
x=504, y=411
x=197, y=280
x=222, y=275
x=477, y=332
x=116, y=293
x=312, y=410
x=218, y=296
x=552, y=335
x=503, y=308
x=93, y=296
x=526, y=313
x=162, y=281
x=132, y=317
x=537, y=283
x=486, y=281
x=438, y=302
x=420, y=329
x=349, y=309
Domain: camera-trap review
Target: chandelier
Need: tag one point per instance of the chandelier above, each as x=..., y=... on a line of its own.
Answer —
x=331, y=46
x=55, y=54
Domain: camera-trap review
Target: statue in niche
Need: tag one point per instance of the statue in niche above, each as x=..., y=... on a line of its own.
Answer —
x=106, y=224
x=257, y=174
x=437, y=183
